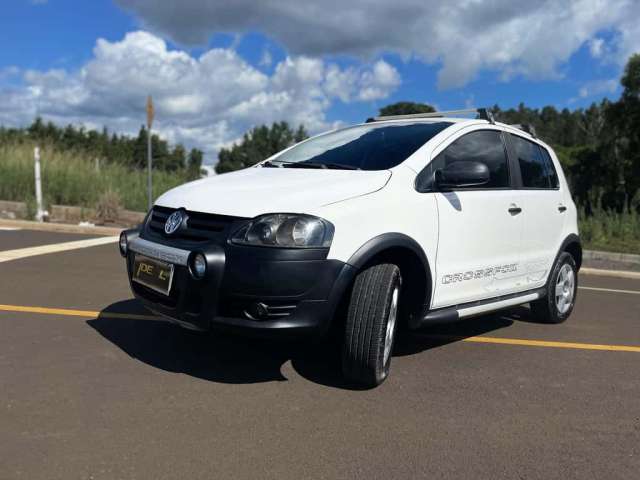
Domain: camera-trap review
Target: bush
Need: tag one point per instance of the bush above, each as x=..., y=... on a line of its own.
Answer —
x=610, y=231
x=108, y=207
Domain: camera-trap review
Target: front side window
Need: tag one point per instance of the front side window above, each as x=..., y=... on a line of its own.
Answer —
x=483, y=146
x=374, y=146
x=536, y=167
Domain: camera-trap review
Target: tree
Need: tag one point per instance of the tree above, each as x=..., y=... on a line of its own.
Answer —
x=139, y=159
x=176, y=160
x=406, y=108
x=258, y=144
x=194, y=162
x=621, y=139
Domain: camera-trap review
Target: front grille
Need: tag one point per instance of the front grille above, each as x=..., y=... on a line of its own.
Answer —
x=200, y=227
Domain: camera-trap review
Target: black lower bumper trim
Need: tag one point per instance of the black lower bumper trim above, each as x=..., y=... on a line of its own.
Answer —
x=299, y=293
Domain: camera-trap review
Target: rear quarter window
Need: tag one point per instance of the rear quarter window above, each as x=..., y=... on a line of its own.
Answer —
x=551, y=168
x=536, y=167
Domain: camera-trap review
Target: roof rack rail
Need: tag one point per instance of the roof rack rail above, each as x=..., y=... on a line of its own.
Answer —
x=525, y=127
x=483, y=113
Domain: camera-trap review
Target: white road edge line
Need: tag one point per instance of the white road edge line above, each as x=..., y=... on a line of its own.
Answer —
x=9, y=229
x=610, y=290
x=9, y=255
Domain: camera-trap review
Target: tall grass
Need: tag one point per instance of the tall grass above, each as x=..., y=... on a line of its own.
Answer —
x=70, y=178
x=611, y=231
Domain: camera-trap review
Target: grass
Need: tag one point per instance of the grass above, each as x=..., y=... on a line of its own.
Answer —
x=610, y=231
x=69, y=178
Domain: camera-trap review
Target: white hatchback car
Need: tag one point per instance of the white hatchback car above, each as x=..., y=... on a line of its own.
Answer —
x=415, y=219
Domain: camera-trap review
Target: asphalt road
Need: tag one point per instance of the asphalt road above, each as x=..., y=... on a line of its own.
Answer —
x=119, y=394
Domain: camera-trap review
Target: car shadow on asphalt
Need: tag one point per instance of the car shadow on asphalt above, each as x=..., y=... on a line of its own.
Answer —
x=225, y=358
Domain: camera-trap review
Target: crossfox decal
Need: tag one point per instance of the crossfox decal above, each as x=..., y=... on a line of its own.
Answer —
x=480, y=273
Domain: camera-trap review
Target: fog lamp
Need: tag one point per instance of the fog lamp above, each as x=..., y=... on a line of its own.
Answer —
x=198, y=266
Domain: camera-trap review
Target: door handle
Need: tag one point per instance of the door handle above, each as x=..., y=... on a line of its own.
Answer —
x=514, y=209
x=562, y=208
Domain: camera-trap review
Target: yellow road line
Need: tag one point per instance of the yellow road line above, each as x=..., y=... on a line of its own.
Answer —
x=74, y=313
x=493, y=340
x=550, y=344
x=610, y=290
x=16, y=254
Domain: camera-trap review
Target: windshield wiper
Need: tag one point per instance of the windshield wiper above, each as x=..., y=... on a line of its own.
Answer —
x=270, y=164
x=342, y=166
x=337, y=166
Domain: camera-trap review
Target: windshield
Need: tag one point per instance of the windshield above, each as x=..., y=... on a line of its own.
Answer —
x=366, y=147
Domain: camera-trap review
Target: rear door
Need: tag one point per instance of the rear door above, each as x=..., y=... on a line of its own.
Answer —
x=543, y=211
x=479, y=230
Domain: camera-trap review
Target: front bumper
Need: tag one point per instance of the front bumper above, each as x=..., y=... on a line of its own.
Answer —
x=250, y=290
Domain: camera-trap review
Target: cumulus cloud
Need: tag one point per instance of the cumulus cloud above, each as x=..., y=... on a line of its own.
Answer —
x=205, y=102
x=513, y=37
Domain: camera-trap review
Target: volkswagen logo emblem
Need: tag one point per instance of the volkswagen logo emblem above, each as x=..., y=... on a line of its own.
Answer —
x=173, y=222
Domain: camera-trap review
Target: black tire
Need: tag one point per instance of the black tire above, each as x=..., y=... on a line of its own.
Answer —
x=546, y=309
x=363, y=351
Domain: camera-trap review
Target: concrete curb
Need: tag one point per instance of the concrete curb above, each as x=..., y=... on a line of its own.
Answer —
x=610, y=256
x=610, y=273
x=61, y=228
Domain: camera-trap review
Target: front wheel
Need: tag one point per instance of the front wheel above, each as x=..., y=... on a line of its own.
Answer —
x=371, y=325
x=562, y=289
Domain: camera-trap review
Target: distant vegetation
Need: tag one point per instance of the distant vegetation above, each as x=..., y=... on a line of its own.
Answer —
x=80, y=167
x=107, y=148
x=258, y=144
x=71, y=178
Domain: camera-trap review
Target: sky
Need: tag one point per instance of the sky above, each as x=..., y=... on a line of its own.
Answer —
x=217, y=68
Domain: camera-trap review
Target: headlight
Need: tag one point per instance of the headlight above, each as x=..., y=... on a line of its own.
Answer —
x=286, y=230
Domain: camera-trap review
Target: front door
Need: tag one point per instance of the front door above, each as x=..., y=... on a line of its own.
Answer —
x=480, y=228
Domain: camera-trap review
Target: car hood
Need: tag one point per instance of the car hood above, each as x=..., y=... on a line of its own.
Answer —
x=255, y=191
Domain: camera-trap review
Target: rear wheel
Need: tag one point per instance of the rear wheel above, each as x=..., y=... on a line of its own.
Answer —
x=371, y=325
x=562, y=289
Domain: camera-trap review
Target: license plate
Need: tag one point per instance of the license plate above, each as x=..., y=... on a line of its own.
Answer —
x=153, y=274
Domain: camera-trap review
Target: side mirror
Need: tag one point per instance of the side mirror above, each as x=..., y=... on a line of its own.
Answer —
x=462, y=174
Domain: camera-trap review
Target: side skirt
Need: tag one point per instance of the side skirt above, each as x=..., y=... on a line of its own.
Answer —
x=470, y=309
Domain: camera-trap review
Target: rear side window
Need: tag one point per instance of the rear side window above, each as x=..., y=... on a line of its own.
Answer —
x=480, y=146
x=536, y=166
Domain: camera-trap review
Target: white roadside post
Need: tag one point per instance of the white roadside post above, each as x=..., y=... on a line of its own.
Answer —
x=150, y=113
x=36, y=158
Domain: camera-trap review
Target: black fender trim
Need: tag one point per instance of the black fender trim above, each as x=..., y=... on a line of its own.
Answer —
x=571, y=238
x=388, y=241
x=383, y=242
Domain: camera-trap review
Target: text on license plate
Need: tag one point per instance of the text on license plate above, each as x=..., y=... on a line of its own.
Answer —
x=153, y=274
